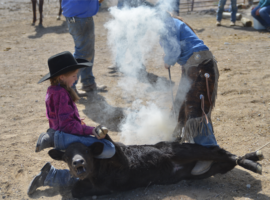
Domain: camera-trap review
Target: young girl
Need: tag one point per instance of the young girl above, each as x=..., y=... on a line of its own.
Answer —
x=197, y=90
x=66, y=127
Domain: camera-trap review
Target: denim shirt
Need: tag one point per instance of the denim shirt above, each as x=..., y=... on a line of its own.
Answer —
x=179, y=42
x=80, y=8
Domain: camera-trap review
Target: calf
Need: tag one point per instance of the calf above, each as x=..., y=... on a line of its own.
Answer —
x=40, y=5
x=136, y=166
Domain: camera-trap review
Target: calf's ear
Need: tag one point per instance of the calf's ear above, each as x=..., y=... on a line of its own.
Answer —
x=96, y=148
x=56, y=154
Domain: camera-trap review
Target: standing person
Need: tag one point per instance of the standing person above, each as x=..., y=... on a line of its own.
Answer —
x=262, y=12
x=197, y=90
x=66, y=126
x=79, y=15
x=176, y=4
x=221, y=5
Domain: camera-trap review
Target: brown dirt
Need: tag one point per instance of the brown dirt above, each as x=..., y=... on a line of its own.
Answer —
x=241, y=118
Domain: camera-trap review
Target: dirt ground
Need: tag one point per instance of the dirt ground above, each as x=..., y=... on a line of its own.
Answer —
x=241, y=117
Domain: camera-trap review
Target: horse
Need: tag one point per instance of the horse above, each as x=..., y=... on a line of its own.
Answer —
x=40, y=5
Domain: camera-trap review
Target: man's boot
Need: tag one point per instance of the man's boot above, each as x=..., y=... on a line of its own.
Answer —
x=39, y=179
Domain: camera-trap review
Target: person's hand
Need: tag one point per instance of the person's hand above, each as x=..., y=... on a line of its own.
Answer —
x=100, y=1
x=167, y=66
x=100, y=132
x=258, y=12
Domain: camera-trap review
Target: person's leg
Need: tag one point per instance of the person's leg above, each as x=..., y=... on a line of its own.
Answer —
x=234, y=10
x=49, y=176
x=82, y=31
x=221, y=5
x=206, y=138
x=59, y=178
x=258, y=17
x=63, y=140
x=264, y=14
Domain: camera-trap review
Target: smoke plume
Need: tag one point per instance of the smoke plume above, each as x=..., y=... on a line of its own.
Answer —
x=132, y=35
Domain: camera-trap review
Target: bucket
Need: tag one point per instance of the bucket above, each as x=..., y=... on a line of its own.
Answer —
x=257, y=25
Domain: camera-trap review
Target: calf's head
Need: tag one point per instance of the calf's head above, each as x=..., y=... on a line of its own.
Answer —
x=79, y=158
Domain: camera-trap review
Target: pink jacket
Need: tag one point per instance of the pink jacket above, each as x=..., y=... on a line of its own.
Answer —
x=63, y=114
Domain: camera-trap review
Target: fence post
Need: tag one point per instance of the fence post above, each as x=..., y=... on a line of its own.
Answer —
x=192, y=5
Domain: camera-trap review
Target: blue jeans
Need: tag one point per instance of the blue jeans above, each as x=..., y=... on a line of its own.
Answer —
x=221, y=5
x=59, y=178
x=204, y=139
x=264, y=17
x=63, y=140
x=83, y=33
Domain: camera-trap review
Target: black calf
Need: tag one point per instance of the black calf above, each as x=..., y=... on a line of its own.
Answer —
x=138, y=166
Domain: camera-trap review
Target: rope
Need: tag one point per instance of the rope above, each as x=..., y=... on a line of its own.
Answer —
x=202, y=107
x=263, y=146
x=207, y=87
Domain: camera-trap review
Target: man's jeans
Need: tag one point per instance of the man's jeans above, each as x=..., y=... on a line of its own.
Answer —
x=204, y=139
x=221, y=5
x=83, y=33
x=63, y=178
x=59, y=178
x=264, y=17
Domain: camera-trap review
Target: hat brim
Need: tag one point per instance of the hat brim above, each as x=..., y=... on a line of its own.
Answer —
x=65, y=70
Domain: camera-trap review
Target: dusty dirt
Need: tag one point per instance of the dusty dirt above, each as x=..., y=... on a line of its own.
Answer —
x=241, y=117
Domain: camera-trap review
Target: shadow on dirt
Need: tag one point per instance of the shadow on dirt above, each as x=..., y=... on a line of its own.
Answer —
x=242, y=28
x=97, y=109
x=41, y=30
x=211, y=188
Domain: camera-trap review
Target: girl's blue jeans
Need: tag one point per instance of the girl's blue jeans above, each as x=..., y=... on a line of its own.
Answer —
x=63, y=140
x=221, y=5
x=264, y=17
x=62, y=178
x=83, y=33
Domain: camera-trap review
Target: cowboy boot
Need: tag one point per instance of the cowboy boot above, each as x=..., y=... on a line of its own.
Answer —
x=39, y=179
x=45, y=140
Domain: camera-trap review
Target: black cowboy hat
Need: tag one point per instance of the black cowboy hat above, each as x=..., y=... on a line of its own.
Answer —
x=62, y=63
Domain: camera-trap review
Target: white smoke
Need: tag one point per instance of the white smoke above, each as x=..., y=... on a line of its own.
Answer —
x=132, y=35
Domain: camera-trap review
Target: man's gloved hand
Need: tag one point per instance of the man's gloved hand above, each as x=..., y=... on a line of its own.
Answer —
x=100, y=132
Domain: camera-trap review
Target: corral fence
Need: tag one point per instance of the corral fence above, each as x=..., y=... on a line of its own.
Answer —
x=197, y=5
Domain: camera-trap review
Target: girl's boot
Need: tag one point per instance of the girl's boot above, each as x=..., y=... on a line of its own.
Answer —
x=45, y=140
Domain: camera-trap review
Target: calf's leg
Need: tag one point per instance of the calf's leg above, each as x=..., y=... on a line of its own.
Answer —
x=250, y=165
x=254, y=156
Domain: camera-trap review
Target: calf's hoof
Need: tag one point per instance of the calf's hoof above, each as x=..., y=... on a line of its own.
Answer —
x=259, y=169
x=260, y=155
x=58, y=17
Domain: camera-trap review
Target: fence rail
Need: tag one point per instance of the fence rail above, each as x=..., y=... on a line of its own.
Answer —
x=196, y=5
